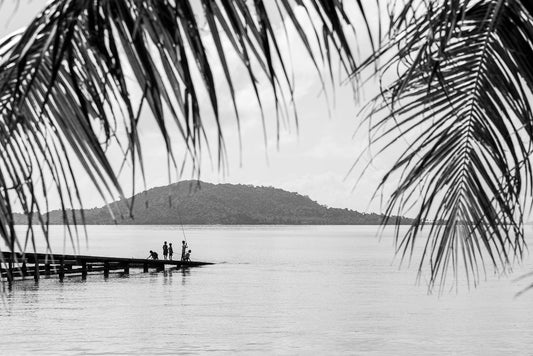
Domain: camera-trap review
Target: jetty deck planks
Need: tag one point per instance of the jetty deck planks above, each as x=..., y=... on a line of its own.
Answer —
x=19, y=265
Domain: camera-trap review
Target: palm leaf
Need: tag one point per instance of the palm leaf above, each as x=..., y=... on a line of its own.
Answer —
x=84, y=69
x=462, y=103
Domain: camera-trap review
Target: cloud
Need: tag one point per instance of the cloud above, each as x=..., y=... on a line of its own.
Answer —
x=312, y=160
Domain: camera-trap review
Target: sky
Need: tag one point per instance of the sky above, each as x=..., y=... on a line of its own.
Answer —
x=314, y=160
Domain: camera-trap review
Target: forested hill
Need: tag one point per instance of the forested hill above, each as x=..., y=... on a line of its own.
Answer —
x=191, y=202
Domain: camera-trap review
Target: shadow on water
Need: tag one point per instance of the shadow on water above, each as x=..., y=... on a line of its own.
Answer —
x=30, y=286
x=23, y=292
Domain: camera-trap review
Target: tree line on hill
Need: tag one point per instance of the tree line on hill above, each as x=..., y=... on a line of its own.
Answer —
x=197, y=203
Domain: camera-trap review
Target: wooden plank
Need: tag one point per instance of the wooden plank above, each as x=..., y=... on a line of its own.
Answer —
x=73, y=259
x=55, y=264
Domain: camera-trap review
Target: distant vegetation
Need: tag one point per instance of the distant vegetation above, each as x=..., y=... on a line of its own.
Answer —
x=191, y=202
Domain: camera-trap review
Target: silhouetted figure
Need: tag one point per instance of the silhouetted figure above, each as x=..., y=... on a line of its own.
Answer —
x=187, y=256
x=165, y=250
x=153, y=255
x=170, y=251
x=183, y=250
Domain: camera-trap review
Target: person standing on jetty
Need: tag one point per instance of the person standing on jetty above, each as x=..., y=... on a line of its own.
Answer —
x=183, y=250
x=170, y=251
x=165, y=250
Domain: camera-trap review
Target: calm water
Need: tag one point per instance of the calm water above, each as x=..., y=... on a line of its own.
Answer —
x=276, y=290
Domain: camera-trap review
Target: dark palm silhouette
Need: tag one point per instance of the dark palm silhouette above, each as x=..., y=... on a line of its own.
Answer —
x=462, y=102
x=68, y=83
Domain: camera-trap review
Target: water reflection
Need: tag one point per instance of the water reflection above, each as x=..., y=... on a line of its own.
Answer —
x=185, y=272
x=167, y=277
x=286, y=290
x=168, y=273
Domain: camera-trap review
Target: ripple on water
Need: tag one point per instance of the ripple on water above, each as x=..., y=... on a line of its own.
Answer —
x=282, y=290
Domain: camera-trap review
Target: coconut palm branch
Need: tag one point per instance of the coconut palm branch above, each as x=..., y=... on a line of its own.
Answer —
x=76, y=80
x=461, y=103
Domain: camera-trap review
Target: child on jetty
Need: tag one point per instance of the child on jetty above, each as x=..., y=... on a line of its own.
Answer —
x=165, y=250
x=187, y=256
x=153, y=255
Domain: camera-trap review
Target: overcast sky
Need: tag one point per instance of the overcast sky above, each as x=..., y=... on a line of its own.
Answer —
x=313, y=162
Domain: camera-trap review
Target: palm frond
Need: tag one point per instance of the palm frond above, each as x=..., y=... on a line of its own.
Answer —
x=83, y=70
x=462, y=104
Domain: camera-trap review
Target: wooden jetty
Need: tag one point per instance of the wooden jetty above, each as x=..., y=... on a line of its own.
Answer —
x=19, y=266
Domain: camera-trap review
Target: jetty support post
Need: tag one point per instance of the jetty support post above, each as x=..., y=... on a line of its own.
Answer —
x=106, y=269
x=24, y=269
x=126, y=268
x=8, y=262
x=9, y=274
x=47, y=269
x=10, y=277
x=83, y=269
x=145, y=267
x=61, y=269
x=36, y=270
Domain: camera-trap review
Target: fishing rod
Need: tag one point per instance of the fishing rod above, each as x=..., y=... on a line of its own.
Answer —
x=181, y=223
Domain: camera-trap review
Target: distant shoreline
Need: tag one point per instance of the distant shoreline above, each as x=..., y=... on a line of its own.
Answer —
x=222, y=226
x=198, y=203
x=237, y=224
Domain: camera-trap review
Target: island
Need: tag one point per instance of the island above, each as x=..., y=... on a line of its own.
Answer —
x=194, y=202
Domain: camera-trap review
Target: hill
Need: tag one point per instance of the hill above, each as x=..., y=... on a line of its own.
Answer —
x=195, y=203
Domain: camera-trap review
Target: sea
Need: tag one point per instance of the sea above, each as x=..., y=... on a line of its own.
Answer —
x=273, y=290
